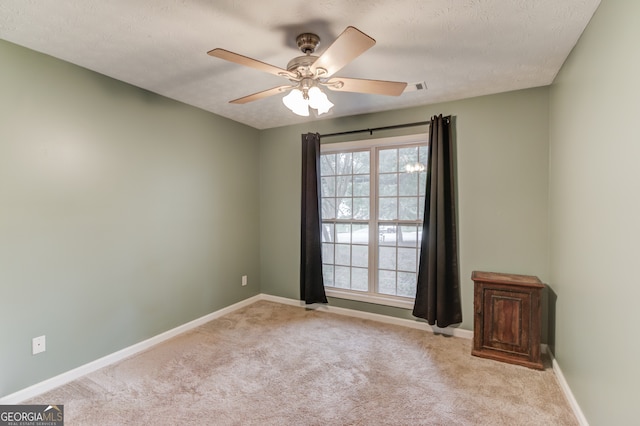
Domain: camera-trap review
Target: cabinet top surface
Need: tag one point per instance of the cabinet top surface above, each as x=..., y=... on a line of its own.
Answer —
x=499, y=278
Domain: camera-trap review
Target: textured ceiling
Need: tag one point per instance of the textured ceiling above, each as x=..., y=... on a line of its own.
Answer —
x=459, y=48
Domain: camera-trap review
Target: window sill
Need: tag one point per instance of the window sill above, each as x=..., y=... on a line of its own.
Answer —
x=397, y=302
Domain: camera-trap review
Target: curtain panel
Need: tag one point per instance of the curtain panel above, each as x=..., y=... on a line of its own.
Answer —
x=438, y=286
x=311, y=282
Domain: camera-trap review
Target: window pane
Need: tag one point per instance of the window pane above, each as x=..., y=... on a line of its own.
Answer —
x=359, y=279
x=387, y=282
x=360, y=234
x=409, y=236
x=328, y=186
x=344, y=186
x=387, y=258
x=327, y=164
x=361, y=163
x=388, y=208
x=388, y=161
x=343, y=233
x=421, y=208
x=407, y=260
x=423, y=154
x=361, y=186
x=343, y=254
x=343, y=163
x=388, y=185
x=361, y=208
x=327, y=253
x=345, y=207
x=408, y=183
x=328, y=208
x=422, y=180
x=328, y=233
x=360, y=256
x=408, y=208
x=406, y=284
x=342, y=277
x=407, y=156
x=327, y=275
x=387, y=235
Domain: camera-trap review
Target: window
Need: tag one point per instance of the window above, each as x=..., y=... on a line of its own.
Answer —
x=372, y=210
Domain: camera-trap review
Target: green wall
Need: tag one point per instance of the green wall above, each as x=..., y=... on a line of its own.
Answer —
x=502, y=160
x=595, y=214
x=122, y=214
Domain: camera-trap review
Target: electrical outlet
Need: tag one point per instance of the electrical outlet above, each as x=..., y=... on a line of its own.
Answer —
x=244, y=280
x=38, y=345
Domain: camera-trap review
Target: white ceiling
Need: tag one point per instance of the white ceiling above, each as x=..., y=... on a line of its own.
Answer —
x=459, y=48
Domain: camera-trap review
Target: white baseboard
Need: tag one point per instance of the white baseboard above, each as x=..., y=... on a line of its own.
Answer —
x=61, y=379
x=582, y=420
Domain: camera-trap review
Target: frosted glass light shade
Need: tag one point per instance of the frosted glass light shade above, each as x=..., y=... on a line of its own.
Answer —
x=296, y=102
x=318, y=100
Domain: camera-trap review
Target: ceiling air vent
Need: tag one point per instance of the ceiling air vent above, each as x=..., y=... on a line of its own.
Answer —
x=415, y=87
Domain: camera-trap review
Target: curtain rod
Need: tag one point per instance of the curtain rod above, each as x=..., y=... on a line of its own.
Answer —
x=397, y=126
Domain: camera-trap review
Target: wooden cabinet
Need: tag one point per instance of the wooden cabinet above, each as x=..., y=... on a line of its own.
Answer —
x=507, y=318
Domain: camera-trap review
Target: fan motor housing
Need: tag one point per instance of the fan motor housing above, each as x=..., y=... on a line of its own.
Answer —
x=301, y=65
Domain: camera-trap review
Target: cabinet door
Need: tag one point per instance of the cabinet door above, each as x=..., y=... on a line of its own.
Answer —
x=507, y=321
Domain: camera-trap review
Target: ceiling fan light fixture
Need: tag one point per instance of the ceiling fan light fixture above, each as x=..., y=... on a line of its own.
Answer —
x=318, y=100
x=308, y=72
x=296, y=102
x=299, y=101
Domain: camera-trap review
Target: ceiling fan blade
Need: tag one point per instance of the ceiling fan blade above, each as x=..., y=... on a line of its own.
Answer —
x=261, y=95
x=250, y=62
x=348, y=46
x=376, y=87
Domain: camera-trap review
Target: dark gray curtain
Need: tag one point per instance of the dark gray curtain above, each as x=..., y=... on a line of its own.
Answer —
x=438, y=288
x=311, y=283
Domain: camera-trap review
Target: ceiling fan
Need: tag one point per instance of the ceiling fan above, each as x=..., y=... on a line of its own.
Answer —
x=309, y=72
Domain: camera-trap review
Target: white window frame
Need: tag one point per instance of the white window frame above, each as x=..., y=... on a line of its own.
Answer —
x=371, y=296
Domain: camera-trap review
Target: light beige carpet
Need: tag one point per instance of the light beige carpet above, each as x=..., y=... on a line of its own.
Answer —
x=273, y=364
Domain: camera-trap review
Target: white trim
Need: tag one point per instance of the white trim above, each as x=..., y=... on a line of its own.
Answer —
x=375, y=298
x=99, y=363
x=368, y=143
x=582, y=420
x=420, y=325
x=373, y=147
